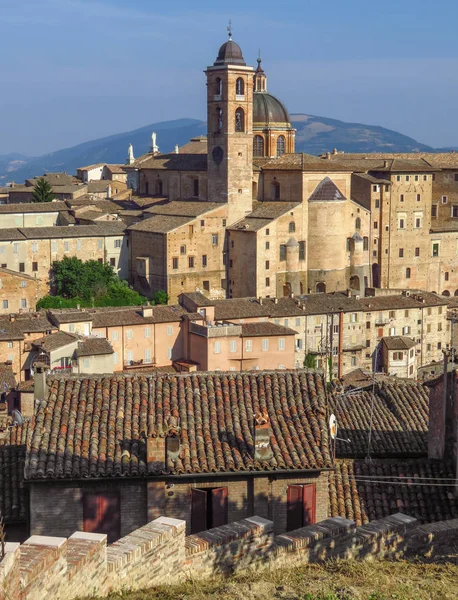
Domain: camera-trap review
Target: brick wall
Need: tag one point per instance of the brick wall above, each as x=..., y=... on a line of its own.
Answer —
x=159, y=553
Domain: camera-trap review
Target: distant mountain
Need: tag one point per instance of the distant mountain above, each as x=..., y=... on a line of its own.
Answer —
x=315, y=135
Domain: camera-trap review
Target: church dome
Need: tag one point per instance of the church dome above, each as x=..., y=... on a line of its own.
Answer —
x=230, y=53
x=268, y=109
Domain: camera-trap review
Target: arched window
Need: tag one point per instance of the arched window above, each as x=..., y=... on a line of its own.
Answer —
x=219, y=120
x=446, y=293
x=321, y=288
x=258, y=145
x=354, y=282
x=408, y=273
x=218, y=87
x=280, y=145
x=240, y=87
x=456, y=293
x=158, y=187
x=240, y=120
x=292, y=227
x=358, y=223
x=275, y=189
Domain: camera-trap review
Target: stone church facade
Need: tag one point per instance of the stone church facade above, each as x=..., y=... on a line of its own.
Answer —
x=238, y=213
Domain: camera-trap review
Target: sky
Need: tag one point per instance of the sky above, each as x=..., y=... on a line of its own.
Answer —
x=76, y=70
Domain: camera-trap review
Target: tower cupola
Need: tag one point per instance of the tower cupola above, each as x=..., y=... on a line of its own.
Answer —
x=260, y=78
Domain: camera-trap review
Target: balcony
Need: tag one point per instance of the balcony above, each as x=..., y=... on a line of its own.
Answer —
x=216, y=330
x=382, y=321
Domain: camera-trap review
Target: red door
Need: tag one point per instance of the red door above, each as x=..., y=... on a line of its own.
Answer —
x=101, y=514
x=198, y=510
x=219, y=507
x=301, y=506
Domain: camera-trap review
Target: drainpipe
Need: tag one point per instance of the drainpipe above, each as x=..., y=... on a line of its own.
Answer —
x=340, y=364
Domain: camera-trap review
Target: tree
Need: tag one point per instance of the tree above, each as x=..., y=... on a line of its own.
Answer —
x=160, y=297
x=310, y=361
x=42, y=191
x=87, y=280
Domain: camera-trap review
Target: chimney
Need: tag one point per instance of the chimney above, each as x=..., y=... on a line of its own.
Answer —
x=275, y=300
x=109, y=191
x=260, y=300
x=328, y=155
x=155, y=454
x=335, y=151
x=12, y=317
x=262, y=433
x=147, y=311
x=349, y=292
x=40, y=387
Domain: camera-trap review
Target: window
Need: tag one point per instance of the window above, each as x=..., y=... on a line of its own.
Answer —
x=208, y=508
x=115, y=358
x=219, y=120
x=21, y=267
x=301, y=250
x=439, y=345
x=301, y=506
x=265, y=345
x=417, y=251
x=280, y=145
x=354, y=317
x=418, y=197
x=102, y=514
x=217, y=347
x=233, y=346
x=275, y=191
x=434, y=210
x=34, y=266
x=23, y=303
x=34, y=247
x=281, y=343
x=206, y=285
x=439, y=327
x=282, y=252
x=23, y=284
x=418, y=220
x=240, y=120
x=375, y=188
x=406, y=330
x=113, y=262
x=100, y=244
x=444, y=199
x=147, y=332
x=114, y=336
x=248, y=345
x=398, y=355
x=258, y=146
x=401, y=198
x=15, y=248
x=191, y=262
x=446, y=275
x=182, y=249
x=401, y=252
x=267, y=281
x=196, y=188
x=435, y=248
x=54, y=246
x=86, y=363
x=398, y=178
x=169, y=353
x=240, y=87
x=407, y=177
x=408, y=273
x=174, y=263
x=267, y=265
x=402, y=217
x=129, y=334
x=292, y=227
x=392, y=331
x=66, y=246
x=224, y=222
x=230, y=263
x=267, y=231
x=298, y=321
x=455, y=211
x=365, y=243
x=147, y=356
x=375, y=225
x=377, y=204
x=286, y=323
x=214, y=239
x=117, y=243
x=78, y=244
x=169, y=329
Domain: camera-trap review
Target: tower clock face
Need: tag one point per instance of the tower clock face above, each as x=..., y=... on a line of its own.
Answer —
x=217, y=155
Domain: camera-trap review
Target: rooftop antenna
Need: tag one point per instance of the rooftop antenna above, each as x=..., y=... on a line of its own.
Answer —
x=229, y=30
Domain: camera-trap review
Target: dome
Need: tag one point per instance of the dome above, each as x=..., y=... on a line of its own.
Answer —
x=230, y=53
x=268, y=109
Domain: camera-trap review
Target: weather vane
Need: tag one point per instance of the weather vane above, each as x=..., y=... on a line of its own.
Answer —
x=229, y=29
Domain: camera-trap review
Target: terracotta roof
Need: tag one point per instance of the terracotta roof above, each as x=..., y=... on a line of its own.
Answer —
x=90, y=167
x=7, y=378
x=263, y=214
x=9, y=331
x=213, y=412
x=326, y=191
x=263, y=328
x=94, y=347
x=399, y=423
x=389, y=163
x=30, y=322
x=399, y=342
x=10, y=234
x=33, y=207
x=117, y=316
x=172, y=162
x=13, y=497
x=197, y=145
x=183, y=208
x=57, y=340
x=439, y=160
x=303, y=162
x=105, y=229
x=372, y=179
x=55, y=179
x=363, y=491
x=392, y=302
x=116, y=169
x=160, y=224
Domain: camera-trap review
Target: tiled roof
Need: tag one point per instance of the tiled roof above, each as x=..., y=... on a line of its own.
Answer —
x=392, y=302
x=439, y=160
x=9, y=331
x=326, y=191
x=160, y=224
x=263, y=214
x=57, y=340
x=90, y=167
x=372, y=179
x=399, y=342
x=197, y=145
x=399, y=421
x=97, y=426
x=363, y=491
x=7, y=378
x=172, y=162
x=14, y=504
x=33, y=207
x=389, y=163
x=303, y=162
x=263, y=328
x=94, y=347
x=55, y=179
x=118, y=316
x=10, y=234
x=30, y=322
x=106, y=229
x=183, y=208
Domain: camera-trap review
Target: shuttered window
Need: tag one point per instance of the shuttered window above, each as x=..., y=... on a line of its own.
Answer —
x=208, y=508
x=101, y=514
x=301, y=507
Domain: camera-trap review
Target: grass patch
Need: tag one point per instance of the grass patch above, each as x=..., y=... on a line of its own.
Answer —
x=334, y=580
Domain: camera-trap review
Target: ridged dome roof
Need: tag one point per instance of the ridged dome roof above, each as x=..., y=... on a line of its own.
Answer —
x=268, y=109
x=230, y=53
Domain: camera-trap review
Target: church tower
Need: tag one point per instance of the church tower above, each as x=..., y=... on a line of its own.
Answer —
x=230, y=131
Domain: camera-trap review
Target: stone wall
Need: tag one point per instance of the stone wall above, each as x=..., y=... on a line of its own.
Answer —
x=159, y=553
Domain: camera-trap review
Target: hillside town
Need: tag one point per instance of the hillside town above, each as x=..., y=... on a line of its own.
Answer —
x=283, y=392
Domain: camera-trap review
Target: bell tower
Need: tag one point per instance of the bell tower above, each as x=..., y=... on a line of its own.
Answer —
x=230, y=131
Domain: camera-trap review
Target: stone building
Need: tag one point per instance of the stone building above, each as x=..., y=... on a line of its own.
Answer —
x=19, y=292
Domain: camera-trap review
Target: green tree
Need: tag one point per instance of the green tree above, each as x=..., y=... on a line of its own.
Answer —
x=310, y=361
x=42, y=191
x=160, y=297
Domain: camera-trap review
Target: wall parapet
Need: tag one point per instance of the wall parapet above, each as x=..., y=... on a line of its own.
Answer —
x=159, y=553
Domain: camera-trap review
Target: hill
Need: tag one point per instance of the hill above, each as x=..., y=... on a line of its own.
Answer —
x=315, y=135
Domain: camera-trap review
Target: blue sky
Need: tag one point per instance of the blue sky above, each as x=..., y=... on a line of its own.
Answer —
x=74, y=70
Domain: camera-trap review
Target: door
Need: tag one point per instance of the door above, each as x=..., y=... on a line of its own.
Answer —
x=208, y=508
x=101, y=514
x=301, y=506
x=218, y=507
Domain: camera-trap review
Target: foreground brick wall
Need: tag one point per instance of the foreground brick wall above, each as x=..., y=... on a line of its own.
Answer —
x=159, y=553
